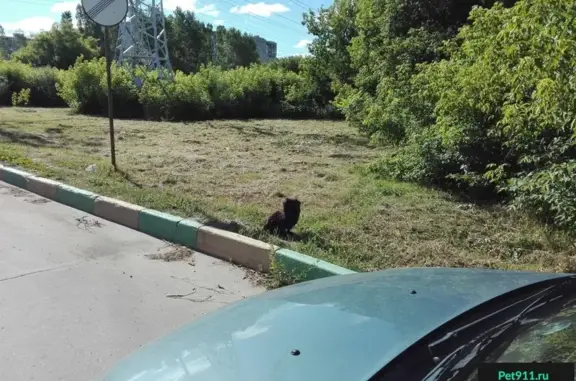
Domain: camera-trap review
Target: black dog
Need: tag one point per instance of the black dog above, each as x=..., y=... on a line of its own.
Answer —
x=282, y=222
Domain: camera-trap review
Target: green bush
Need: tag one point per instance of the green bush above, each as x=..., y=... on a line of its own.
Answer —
x=548, y=193
x=84, y=89
x=15, y=76
x=372, y=49
x=183, y=99
x=255, y=92
x=21, y=98
x=504, y=102
x=503, y=110
x=259, y=91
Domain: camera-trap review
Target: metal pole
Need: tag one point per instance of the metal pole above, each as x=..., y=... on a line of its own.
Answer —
x=110, y=106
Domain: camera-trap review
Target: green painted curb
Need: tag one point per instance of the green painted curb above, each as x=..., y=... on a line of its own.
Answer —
x=187, y=233
x=76, y=198
x=14, y=177
x=158, y=224
x=305, y=267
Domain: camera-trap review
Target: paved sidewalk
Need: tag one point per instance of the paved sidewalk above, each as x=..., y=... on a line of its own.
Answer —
x=78, y=293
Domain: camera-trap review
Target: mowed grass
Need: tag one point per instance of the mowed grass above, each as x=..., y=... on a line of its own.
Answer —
x=240, y=170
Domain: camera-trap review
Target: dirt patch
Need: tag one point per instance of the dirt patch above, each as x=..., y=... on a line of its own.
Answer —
x=174, y=253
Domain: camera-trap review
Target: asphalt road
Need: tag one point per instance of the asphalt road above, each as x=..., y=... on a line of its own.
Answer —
x=78, y=293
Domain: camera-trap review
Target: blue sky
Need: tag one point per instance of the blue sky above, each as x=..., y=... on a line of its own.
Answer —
x=274, y=20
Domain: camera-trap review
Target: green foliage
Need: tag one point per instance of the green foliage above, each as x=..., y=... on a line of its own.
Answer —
x=506, y=96
x=476, y=99
x=84, y=89
x=59, y=47
x=255, y=92
x=393, y=37
x=190, y=41
x=66, y=18
x=549, y=193
x=15, y=76
x=234, y=49
x=334, y=29
x=315, y=84
x=294, y=64
x=501, y=111
x=3, y=44
x=22, y=98
x=184, y=99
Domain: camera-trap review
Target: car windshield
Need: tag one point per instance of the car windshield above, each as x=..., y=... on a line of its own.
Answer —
x=552, y=339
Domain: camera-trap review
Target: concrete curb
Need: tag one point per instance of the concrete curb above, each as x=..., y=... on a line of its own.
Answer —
x=233, y=247
x=44, y=187
x=15, y=177
x=305, y=267
x=187, y=233
x=236, y=248
x=117, y=211
x=76, y=198
x=158, y=224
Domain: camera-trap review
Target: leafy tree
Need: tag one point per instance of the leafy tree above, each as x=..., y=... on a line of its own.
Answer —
x=329, y=70
x=59, y=47
x=66, y=17
x=3, y=44
x=234, y=48
x=370, y=49
x=292, y=63
x=190, y=42
x=333, y=29
x=503, y=105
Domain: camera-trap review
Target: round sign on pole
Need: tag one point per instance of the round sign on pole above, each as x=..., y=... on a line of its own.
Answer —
x=106, y=12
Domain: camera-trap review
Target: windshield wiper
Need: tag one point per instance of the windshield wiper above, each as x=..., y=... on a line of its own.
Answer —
x=467, y=354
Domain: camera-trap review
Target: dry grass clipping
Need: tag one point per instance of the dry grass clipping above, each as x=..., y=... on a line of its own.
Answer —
x=175, y=253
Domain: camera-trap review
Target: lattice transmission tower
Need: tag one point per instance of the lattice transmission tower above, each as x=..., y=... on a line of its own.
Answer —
x=143, y=42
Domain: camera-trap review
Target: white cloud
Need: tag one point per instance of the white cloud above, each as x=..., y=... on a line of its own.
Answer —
x=260, y=9
x=209, y=10
x=302, y=44
x=218, y=22
x=192, y=6
x=185, y=5
x=32, y=25
x=64, y=6
x=28, y=25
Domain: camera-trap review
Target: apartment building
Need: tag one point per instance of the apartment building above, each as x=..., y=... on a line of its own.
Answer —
x=267, y=50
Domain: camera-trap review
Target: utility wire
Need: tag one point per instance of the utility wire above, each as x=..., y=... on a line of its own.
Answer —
x=262, y=18
x=300, y=4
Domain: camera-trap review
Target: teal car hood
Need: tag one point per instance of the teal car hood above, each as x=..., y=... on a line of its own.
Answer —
x=342, y=328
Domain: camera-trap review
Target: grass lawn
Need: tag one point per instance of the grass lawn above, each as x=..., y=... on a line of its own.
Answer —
x=239, y=170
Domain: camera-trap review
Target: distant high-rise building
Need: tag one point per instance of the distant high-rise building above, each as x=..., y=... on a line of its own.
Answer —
x=12, y=43
x=267, y=50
